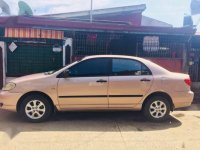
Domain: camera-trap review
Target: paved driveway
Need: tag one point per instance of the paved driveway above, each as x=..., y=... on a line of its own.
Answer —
x=101, y=130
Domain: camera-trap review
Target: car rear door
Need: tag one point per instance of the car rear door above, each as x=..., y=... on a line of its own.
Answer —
x=87, y=85
x=129, y=81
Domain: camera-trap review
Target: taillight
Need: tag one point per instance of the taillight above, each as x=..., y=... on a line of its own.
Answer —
x=188, y=82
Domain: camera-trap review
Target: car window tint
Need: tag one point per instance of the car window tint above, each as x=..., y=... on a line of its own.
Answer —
x=128, y=67
x=93, y=67
x=145, y=70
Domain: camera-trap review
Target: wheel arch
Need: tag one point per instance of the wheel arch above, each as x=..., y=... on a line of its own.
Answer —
x=162, y=94
x=34, y=93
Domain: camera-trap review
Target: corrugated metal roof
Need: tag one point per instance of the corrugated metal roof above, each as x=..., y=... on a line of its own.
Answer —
x=130, y=9
x=46, y=23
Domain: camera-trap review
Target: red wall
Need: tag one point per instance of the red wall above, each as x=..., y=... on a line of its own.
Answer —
x=171, y=64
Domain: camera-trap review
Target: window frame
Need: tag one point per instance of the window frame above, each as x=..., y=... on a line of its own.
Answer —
x=110, y=65
x=142, y=64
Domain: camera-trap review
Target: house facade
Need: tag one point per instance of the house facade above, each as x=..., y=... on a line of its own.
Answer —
x=43, y=43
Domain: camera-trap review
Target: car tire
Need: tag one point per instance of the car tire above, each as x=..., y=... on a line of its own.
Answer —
x=35, y=108
x=156, y=109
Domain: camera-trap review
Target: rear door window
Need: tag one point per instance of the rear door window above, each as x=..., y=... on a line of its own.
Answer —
x=128, y=67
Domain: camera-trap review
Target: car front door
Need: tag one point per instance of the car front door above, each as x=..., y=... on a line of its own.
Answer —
x=86, y=86
x=128, y=83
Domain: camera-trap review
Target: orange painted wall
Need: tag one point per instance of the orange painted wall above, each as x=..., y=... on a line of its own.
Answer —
x=171, y=64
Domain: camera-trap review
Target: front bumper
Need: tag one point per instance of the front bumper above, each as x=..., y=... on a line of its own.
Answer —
x=183, y=99
x=8, y=100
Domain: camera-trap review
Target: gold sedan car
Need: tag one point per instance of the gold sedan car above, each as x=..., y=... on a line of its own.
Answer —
x=107, y=82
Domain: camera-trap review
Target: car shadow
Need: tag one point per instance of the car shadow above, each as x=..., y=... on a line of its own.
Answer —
x=12, y=124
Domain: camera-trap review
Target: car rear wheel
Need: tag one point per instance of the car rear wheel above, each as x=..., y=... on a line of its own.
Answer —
x=35, y=108
x=156, y=109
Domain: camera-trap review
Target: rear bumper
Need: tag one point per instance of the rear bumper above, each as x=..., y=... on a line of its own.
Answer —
x=8, y=101
x=183, y=99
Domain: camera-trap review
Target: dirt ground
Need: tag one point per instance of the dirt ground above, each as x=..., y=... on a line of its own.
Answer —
x=101, y=130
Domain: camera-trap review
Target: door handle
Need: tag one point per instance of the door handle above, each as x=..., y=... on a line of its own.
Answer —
x=101, y=81
x=145, y=80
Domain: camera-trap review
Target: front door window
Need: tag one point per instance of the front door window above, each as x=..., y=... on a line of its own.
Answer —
x=90, y=68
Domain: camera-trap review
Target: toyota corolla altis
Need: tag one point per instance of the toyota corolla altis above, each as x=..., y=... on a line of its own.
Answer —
x=105, y=82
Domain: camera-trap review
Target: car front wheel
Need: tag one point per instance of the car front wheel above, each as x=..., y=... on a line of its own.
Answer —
x=156, y=109
x=35, y=108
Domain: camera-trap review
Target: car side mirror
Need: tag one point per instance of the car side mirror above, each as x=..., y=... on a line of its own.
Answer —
x=64, y=74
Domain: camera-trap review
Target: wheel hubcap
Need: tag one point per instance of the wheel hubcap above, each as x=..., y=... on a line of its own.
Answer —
x=35, y=109
x=158, y=109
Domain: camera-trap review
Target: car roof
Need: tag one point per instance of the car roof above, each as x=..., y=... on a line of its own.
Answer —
x=113, y=56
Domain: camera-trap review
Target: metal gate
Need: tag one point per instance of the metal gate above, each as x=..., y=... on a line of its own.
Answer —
x=32, y=58
x=194, y=62
x=162, y=50
x=101, y=43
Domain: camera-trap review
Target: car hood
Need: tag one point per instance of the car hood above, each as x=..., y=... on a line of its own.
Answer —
x=29, y=78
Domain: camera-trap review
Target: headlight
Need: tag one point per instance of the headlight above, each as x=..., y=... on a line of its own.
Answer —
x=9, y=86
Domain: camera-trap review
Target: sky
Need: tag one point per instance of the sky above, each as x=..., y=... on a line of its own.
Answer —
x=169, y=11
